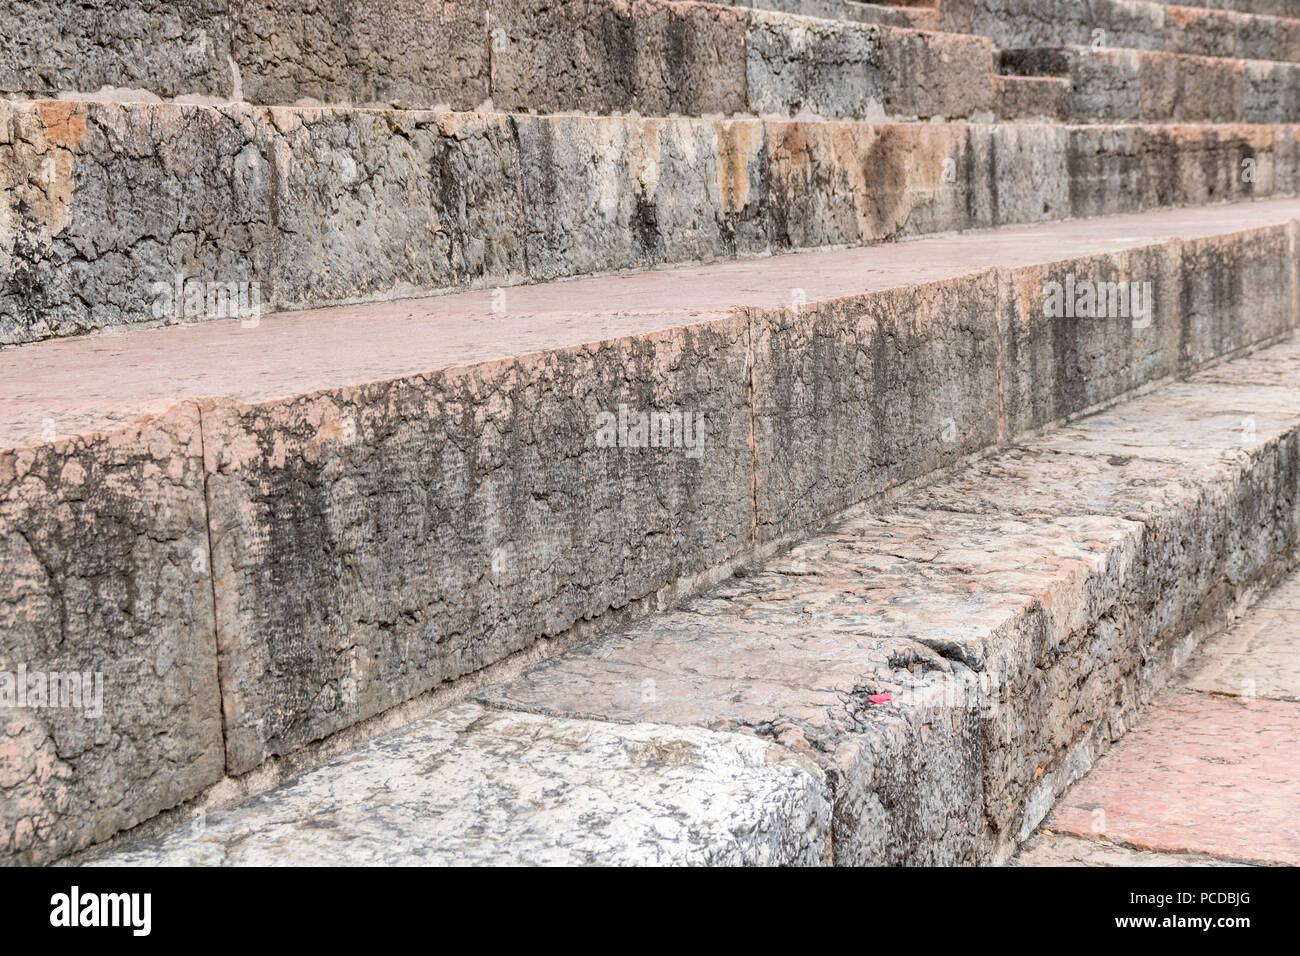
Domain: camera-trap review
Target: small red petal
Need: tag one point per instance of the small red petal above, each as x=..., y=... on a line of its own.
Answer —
x=880, y=698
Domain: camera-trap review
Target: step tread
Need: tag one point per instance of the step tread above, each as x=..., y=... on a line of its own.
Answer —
x=101, y=382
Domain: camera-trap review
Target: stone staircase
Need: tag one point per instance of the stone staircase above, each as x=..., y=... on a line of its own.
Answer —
x=644, y=432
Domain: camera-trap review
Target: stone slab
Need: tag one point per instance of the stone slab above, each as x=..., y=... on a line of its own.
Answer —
x=92, y=237
x=471, y=786
x=905, y=775
x=600, y=56
x=109, y=706
x=318, y=419
x=144, y=371
x=1200, y=774
x=1194, y=30
x=1257, y=657
x=1154, y=86
x=373, y=541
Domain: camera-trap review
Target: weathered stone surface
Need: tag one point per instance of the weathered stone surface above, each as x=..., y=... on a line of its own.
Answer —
x=104, y=574
x=856, y=394
x=600, y=56
x=596, y=56
x=1210, y=472
x=1030, y=97
x=818, y=66
x=407, y=54
x=1199, y=774
x=475, y=786
x=905, y=775
x=370, y=542
x=1154, y=86
x=1228, y=301
x=1255, y=658
x=936, y=75
x=93, y=235
x=1195, y=30
x=1031, y=605
x=1056, y=849
x=1273, y=8
x=417, y=201
x=168, y=48
x=92, y=225
x=1082, y=331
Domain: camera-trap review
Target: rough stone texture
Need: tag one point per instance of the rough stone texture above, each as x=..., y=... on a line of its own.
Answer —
x=936, y=75
x=1178, y=462
x=479, y=787
x=601, y=56
x=1255, y=658
x=817, y=66
x=416, y=201
x=93, y=233
x=905, y=775
x=1056, y=365
x=167, y=47
x=1151, y=86
x=320, y=627
x=104, y=569
x=1200, y=774
x=1273, y=8
x=371, y=542
x=407, y=54
x=1029, y=604
x=854, y=395
x=1030, y=97
x=1127, y=24
x=1043, y=616
x=1055, y=849
x=597, y=56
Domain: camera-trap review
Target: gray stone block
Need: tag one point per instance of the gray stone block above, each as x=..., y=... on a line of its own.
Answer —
x=406, y=54
x=472, y=786
x=905, y=777
x=854, y=395
x=372, y=542
x=110, y=710
x=825, y=67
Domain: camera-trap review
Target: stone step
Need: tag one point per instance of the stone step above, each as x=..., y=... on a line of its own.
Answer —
x=1273, y=8
x=477, y=786
x=945, y=666
x=107, y=210
x=924, y=16
x=1234, y=707
x=1126, y=24
x=1141, y=85
x=652, y=57
x=273, y=530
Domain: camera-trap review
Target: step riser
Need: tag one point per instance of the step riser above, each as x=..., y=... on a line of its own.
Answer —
x=117, y=205
x=1119, y=24
x=1269, y=8
x=599, y=56
x=365, y=544
x=1142, y=86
